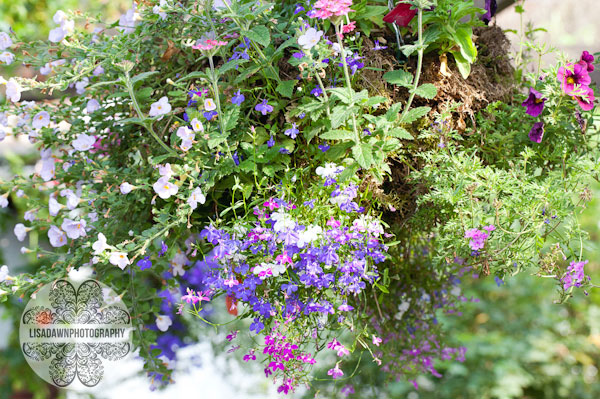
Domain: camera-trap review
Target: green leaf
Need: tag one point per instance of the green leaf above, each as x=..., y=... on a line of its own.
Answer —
x=427, y=91
x=464, y=66
x=340, y=114
x=393, y=112
x=409, y=49
x=231, y=119
x=399, y=77
x=142, y=76
x=415, y=114
x=193, y=75
x=342, y=94
x=363, y=153
x=400, y=133
x=464, y=38
x=230, y=65
x=260, y=34
x=286, y=88
x=337, y=135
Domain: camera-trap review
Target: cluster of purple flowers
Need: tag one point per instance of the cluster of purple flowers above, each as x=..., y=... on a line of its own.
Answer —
x=575, y=80
x=575, y=275
x=478, y=237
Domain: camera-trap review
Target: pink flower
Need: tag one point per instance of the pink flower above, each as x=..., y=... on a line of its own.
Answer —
x=349, y=28
x=335, y=372
x=584, y=97
x=208, y=44
x=376, y=340
x=571, y=75
x=327, y=8
x=587, y=60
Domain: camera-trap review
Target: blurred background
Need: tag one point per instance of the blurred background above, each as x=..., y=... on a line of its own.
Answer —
x=520, y=344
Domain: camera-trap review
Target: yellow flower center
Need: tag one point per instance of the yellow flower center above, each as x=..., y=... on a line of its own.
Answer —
x=41, y=117
x=538, y=100
x=570, y=80
x=166, y=187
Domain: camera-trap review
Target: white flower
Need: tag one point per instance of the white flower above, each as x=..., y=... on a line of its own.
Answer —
x=64, y=127
x=72, y=198
x=13, y=90
x=74, y=229
x=20, y=231
x=165, y=170
x=98, y=71
x=164, y=188
x=119, y=259
x=329, y=170
x=68, y=26
x=92, y=106
x=3, y=273
x=59, y=17
x=178, y=261
x=81, y=274
x=310, y=38
x=4, y=200
x=47, y=170
x=220, y=4
x=186, y=145
x=128, y=20
x=160, y=107
x=57, y=35
x=402, y=308
x=57, y=237
x=310, y=234
x=196, y=197
x=278, y=269
x=209, y=104
x=158, y=9
x=262, y=271
x=5, y=41
x=125, y=188
x=197, y=125
x=163, y=322
x=54, y=206
x=7, y=57
x=93, y=216
x=40, y=120
x=30, y=215
x=83, y=142
x=283, y=222
x=100, y=245
x=184, y=133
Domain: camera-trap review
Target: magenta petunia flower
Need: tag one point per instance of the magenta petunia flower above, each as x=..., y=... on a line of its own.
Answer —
x=402, y=14
x=584, y=96
x=537, y=132
x=490, y=6
x=534, y=103
x=587, y=60
x=571, y=75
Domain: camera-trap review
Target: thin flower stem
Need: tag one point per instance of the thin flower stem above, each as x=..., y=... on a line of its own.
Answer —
x=325, y=96
x=419, y=64
x=141, y=115
x=347, y=77
x=215, y=86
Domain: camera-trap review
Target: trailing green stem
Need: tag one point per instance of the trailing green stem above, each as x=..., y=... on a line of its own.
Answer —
x=215, y=86
x=419, y=64
x=347, y=77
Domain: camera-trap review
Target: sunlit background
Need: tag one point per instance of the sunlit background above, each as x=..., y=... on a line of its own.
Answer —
x=520, y=344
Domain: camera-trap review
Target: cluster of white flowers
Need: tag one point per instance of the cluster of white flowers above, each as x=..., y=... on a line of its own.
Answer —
x=65, y=29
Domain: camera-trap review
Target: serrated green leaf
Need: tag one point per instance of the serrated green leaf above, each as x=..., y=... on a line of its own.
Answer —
x=260, y=34
x=415, y=114
x=142, y=76
x=340, y=114
x=231, y=119
x=363, y=153
x=337, y=135
x=393, y=112
x=400, y=133
x=409, y=49
x=342, y=94
x=399, y=77
x=230, y=65
x=286, y=87
x=427, y=90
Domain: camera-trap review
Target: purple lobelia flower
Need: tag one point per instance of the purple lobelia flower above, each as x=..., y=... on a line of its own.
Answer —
x=144, y=263
x=238, y=98
x=292, y=132
x=490, y=7
x=537, y=132
x=534, y=103
x=264, y=107
x=587, y=60
x=571, y=75
x=271, y=142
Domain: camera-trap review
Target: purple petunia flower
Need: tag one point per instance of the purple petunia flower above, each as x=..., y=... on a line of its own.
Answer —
x=571, y=75
x=292, y=132
x=264, y=107
x=537, y=132
x=238, y=98
x=534, y=103
x=490, y=7
x=587, y=60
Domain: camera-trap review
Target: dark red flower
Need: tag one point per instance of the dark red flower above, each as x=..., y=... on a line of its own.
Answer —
x=402, y=14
